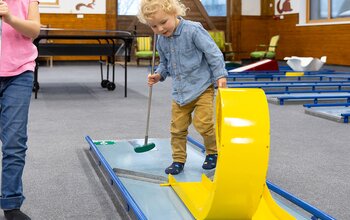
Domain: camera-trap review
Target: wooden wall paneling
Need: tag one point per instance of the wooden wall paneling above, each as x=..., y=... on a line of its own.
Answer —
x=127, y=22
x=254, y=31
x=111, y=14
x=234, y=14
x=220, y=24
x=106, y=21
x=229, y=10
x=267, y=7
x=306, y=41
x=70, y=21
x=312, y=41
x=291, y=38
x=246, y=31
x=132, y=25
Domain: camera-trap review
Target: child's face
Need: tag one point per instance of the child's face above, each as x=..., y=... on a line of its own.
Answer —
x=163, y=23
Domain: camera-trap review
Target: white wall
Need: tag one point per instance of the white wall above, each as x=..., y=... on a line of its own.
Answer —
x=251, y=7
x=69, y=7
x=302, y=12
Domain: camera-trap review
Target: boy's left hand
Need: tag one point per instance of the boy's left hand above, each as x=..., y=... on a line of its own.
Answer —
x=221, y=83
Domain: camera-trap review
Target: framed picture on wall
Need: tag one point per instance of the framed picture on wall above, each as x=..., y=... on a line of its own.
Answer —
x=49, y=2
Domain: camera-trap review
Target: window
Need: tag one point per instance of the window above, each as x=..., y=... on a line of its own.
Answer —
x=328, y=10
x=340, y=8
x=215, y=7
x=128, y=7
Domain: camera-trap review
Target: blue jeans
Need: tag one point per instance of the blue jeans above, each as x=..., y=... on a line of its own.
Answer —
x=15, y=95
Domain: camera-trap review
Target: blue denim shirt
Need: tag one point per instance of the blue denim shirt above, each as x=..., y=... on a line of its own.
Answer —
x=192, y=59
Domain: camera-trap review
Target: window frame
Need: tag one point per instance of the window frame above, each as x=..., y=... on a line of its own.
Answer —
x=329, y=19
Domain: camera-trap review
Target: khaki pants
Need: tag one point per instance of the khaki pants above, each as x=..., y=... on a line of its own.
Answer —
x=203, y=121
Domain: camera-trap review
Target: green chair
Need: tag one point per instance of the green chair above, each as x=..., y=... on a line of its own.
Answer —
x=219, y=39
x=269, y=52
x=144, y=49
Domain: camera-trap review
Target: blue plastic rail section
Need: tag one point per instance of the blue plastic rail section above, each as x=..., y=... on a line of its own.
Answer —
x=315, y=98
x=344, y=115
x=116, y=181
x=278, y=77
x=304, y=91
x=322, y=75
x=316, y=213
x=289, y=82
x=287, y=85
x=327, y=105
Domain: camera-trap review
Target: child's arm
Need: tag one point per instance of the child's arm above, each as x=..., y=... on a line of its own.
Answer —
x=212, y=53
x=163, y=63
x=30, y=27
x=221, y=83
x=153, y=78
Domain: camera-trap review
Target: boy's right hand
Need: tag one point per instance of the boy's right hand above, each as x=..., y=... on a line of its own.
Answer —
x=153, y=78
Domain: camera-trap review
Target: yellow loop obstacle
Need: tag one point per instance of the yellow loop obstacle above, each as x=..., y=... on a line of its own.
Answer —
x=238, y=190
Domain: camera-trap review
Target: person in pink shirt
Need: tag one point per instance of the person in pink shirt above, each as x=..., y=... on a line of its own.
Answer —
x=20, y=25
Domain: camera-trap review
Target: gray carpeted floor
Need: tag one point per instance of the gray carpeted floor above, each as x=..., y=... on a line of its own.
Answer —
x=309, y=156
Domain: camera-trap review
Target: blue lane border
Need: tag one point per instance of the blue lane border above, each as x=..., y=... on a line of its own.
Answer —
x=316, y=213
x=196, y=143
x=114, y=179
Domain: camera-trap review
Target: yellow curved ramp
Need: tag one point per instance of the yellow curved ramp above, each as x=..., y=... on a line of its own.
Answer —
x=238, y=190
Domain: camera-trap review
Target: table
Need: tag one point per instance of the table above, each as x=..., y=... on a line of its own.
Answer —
x=107, y=43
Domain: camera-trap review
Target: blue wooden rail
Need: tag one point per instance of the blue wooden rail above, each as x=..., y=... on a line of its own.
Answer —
x=346, y=117
x=315, y=98
x=284, y=82
x=316, y=213
x=279, y=77
x=327, y=105
x=131, y=204
x=305, y=91
x=286, y=86
x=283, y=72
x=275, y=77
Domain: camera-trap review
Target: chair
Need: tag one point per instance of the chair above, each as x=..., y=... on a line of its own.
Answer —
x=269, y=52
x=226, y=48
x=144, y=50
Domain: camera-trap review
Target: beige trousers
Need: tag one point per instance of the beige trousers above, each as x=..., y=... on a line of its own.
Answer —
x=203, y=121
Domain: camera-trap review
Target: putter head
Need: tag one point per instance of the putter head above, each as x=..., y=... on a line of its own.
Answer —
x=144, y=148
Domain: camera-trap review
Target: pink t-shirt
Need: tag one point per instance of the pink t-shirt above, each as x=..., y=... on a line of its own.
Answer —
x=18, y=52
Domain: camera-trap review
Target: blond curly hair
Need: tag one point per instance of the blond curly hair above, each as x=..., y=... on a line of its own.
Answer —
x=149, y=7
